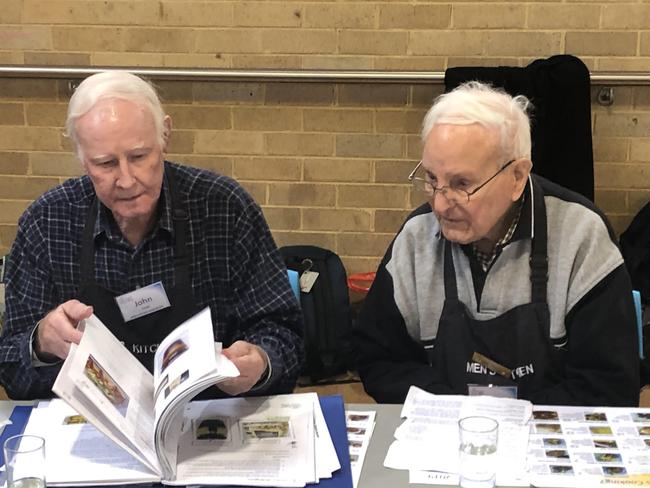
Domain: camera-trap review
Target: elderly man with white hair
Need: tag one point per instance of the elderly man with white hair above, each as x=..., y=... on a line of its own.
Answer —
x=503, y=283
x=133, y=221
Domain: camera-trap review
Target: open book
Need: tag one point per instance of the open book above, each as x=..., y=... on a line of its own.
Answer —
x=112, y=400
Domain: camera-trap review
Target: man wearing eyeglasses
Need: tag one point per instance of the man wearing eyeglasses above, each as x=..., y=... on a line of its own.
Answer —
x=503, y=283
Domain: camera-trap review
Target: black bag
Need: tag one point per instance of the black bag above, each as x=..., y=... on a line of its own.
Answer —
x=326, y=311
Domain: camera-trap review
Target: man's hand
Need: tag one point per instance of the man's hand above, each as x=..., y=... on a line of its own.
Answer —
x=58, y=329
x=251, y=362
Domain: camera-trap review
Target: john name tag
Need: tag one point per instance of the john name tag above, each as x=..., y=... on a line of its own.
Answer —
x=143, y=301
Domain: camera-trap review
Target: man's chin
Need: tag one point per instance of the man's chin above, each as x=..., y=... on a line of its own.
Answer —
x=456, y=236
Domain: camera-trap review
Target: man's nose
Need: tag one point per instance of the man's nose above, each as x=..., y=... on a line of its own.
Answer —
x=125, y=175
x=439, y=202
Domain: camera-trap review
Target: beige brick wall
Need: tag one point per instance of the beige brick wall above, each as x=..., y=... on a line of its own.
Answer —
x=326, y=161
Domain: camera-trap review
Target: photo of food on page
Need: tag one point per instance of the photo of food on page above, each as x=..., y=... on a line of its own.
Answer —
x=212, y=429
x=98, y=375
x=176, y=381
x=173, y=351
x=266, y=429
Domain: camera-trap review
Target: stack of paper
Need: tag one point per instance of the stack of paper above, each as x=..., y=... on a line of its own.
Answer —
x=428, y=438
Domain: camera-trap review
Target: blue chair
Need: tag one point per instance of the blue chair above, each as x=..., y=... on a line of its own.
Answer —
x=295, y=282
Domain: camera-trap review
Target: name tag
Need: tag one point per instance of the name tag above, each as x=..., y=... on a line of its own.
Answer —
x=143, y=301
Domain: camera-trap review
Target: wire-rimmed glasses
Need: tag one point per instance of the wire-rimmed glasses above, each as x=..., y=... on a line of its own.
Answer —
x=455, y=196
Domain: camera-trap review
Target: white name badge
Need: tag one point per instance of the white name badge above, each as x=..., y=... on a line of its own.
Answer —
x=143, y=301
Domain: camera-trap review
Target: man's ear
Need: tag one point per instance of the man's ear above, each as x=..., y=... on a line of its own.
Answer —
x=521, y=170
x=167, y=132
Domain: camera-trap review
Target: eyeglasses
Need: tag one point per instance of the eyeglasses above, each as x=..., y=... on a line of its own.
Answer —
x=455, y=196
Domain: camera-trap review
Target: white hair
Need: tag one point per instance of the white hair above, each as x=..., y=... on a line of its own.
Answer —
x=479, y=103
x=120, y=85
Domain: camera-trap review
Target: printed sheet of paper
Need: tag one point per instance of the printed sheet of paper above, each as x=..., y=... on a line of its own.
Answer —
x=359, y=427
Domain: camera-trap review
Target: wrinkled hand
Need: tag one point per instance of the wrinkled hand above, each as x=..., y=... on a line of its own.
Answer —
x=251, y=362
x=58, y=329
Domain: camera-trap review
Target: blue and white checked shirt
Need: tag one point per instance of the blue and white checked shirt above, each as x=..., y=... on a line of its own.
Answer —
x=236, y=270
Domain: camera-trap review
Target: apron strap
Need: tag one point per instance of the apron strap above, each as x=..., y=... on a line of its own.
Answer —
x=180, y=219
x=449, y=274
x=538, y=251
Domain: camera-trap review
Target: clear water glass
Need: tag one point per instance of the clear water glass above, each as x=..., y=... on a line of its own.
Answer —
x=478, y=451
x=25, y=461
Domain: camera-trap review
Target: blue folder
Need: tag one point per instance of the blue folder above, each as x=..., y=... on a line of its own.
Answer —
x=333, y=411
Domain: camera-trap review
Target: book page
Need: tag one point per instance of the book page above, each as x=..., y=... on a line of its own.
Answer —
x=71, y=441
x=104, y=382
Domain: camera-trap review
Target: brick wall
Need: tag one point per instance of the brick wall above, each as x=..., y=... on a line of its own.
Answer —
x=327, y=162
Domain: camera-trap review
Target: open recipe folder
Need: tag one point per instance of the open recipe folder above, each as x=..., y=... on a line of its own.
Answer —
x=119, y=424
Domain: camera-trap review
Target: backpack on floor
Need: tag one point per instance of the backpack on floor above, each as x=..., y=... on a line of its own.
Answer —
x=325, y=306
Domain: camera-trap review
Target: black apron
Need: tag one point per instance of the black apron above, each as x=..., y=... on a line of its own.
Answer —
x=519, y=339
x=141, y=336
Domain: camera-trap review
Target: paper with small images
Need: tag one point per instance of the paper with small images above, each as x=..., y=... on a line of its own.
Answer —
x=587, y=446
x=359, y=425
x=265, y=441
x=428, y=439
x=70, y=440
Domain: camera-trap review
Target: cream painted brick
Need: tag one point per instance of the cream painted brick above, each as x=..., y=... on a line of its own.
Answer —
x=623, y=97
x=340, y=16
x=29, y=139
x=127, y=59
x=68, y=38
x=336, y=219
x=499, y=43
x=369, y=145
x=417, y=198
x=188, y=13
x=57, y=59
x=217, y=164
x=300, y=93
x=199, y=116
x=622, y=124
x=23, y=188
x=610, y=149
x=142, y=12
x=25, y=37
x=302, y=194
x=229, y=142
x=15, y=57
x=11, y=12
x=337, y=169
x=625, y=16
x=355, y=264
x=633, y=64
x=12, y=114
x=636, y=199
x=266, y=168
x=413, y=148
x=11, y=210
x=373, y=196
x=321, y=239
x=46, y=114
x=185, y=60
x=422, y=97
x=393, y=171
x=629, y=176
x=410, y=63
x=182, y=141
x=399, y=121
x=644, y=49
x=372, y=42
x=13, y=163
x=334, y=120
x=267, y=118
x=55, y=164
x=315, y=41
x=602, y=43
x=343, y=62
x=163, y=40
x=360, y=244
x=229, y=92
x=179, y=91
x=447, y=43
x=299, y=144
x=267, y=14
x=406, y=16
x=489, y=16
x=390, y=220
x=229, y=41
x=563, y=16
x=282, y=218
x=265, y=61
x=612, y=201
x=256, y=190
x=373, y=95
x=7, y=236
x=640, y=151
x=464, y=61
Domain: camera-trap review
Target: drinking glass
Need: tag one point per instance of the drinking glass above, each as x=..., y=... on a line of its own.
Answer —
x=25, y=461
x=478, y=451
